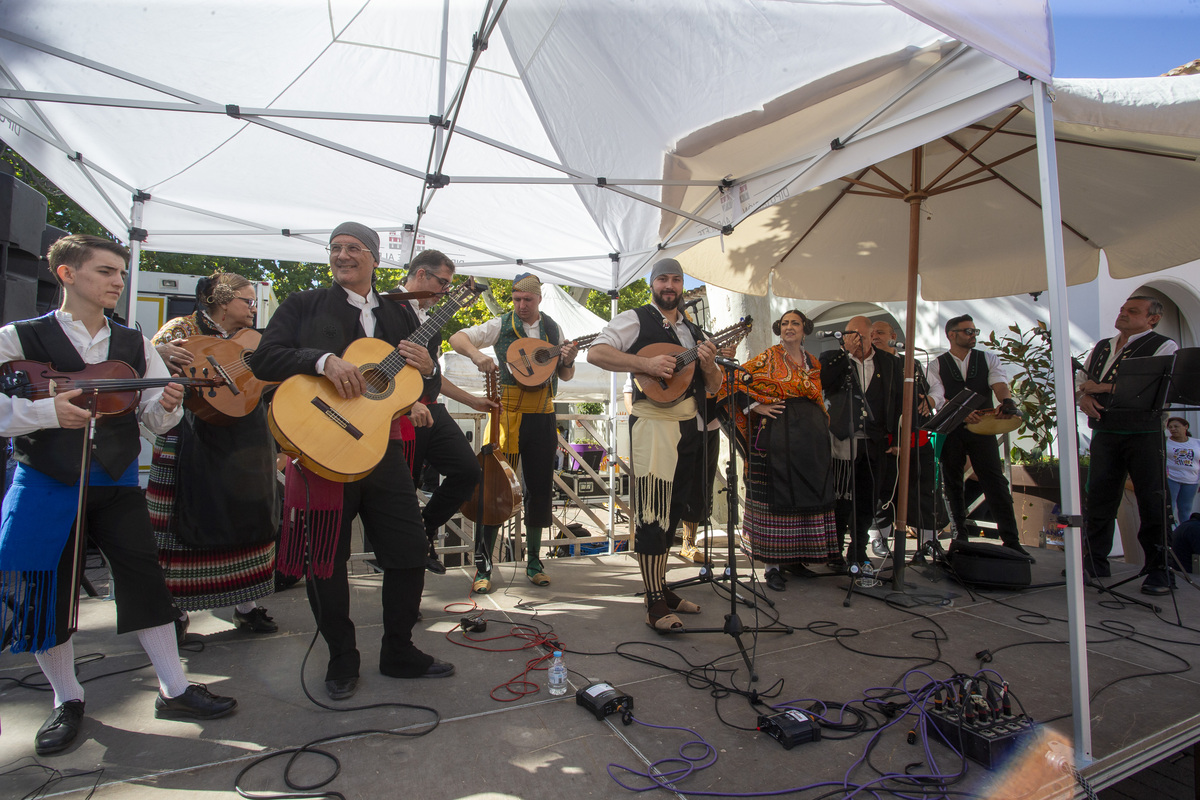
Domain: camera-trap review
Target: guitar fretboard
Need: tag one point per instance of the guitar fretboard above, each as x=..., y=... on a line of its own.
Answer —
x=439, y=317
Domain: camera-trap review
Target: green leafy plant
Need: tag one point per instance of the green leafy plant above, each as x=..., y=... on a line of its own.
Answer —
x=1028, y=355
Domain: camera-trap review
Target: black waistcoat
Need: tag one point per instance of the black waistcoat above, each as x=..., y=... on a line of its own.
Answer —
x=654, y=329
x=976, y=379
x=432, y=389
x=57, y=452
x=1122, y=419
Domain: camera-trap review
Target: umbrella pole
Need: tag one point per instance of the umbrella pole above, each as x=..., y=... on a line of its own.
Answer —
x=900, y=523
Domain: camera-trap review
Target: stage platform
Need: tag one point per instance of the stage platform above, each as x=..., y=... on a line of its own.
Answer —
x=1145, y=707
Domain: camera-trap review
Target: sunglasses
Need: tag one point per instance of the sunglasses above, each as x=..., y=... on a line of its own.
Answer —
x=967, y=331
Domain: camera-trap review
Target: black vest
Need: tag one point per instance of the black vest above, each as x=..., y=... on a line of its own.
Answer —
x=1122, y=419
x=654, y=329
x=976, y=378
x=57, y=452
x=432, y=389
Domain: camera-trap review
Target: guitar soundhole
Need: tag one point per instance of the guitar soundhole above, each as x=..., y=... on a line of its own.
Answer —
x=378, y=383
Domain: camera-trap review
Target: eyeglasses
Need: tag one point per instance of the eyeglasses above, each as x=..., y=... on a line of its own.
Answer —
x=352, y=250
x=250, y=301
x=442, y=282
x=967, y=331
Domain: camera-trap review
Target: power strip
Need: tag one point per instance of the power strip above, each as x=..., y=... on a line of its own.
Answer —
x=986, y=743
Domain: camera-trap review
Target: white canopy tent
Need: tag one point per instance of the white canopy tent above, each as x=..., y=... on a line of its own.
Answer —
x=579, y=139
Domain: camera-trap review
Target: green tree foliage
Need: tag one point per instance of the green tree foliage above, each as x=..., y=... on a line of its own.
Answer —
x=634, y=295
x=1032, y=381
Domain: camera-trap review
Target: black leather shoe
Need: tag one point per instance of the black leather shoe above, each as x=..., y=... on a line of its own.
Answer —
x=1158, y=582
x=775, y=580
x=433, y=565
x=196, y=702
x=341, y=688
x=1016, y=548
x=838, y=565
x=436, y=669
x=880, y=548
x=256, y=621
x=59, y=729
x=799, y=570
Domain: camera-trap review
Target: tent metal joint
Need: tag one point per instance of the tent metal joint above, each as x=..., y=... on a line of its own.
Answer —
x=726, y=230
x=138, y=234
x=837, y=144
x=438, y=121
x=1070, y=520
x=233, y=110
x=286, y=232
x=140, y=197
x=602, y=181
x=436, y=180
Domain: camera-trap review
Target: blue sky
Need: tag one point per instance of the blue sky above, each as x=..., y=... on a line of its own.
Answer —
x=1123, y=38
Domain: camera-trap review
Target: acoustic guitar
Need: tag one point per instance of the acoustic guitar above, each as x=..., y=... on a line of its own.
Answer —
x=343, y=440
x=227, y=359
x=532, y=362
x=498, y=495
x=116, y=384
x=667, y=391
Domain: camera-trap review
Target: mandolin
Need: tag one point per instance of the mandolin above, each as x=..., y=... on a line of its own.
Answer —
x=498, y=495
x=226, y=358
x=343, y=440
x=667, y=391
x=990, y=425
x=532, y=362
x=117, y=384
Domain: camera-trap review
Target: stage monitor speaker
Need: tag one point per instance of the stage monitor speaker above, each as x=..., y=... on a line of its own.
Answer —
x=22, y=215
x=990, y=566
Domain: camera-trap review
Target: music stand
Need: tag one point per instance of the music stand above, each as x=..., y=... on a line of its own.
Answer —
x=1141, y=384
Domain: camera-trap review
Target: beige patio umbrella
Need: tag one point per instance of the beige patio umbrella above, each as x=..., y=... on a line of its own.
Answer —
x=961, y=215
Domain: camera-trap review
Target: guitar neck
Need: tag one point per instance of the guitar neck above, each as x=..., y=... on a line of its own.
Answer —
x=421, y=337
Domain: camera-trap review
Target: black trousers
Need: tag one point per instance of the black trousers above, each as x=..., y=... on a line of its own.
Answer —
x=536, y=446
x=387, y=504
x=985, y=460
x=701, y=502
x=1115, y=456
x=446, y=449
x=854, y=515
x=119, y=524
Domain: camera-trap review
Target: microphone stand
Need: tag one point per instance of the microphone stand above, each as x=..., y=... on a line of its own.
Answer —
x=733, y=624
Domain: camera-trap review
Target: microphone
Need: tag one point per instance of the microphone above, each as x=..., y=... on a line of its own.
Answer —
x=730, y=363
x=903, y=346
x=693, y=302
x=829, y=334
x=1077, y=366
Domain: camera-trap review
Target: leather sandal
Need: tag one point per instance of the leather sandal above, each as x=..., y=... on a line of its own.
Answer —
x=537, y=578
x=679, y=605
x=482, y=584
x=664, y=623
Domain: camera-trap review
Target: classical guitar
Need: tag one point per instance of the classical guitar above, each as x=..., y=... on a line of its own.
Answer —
x=116, y=385
x=227, y=359
x=343, y=440
x=533, y=362
x=667, y=391
x=498, y=495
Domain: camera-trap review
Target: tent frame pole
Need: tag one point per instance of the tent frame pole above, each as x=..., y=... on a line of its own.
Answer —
x=1064, y=391
x=136, y=235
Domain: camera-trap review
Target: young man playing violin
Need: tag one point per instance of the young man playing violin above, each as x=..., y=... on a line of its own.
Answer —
x=37, y=541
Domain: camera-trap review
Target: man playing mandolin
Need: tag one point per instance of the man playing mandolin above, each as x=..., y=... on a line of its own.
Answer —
x=305, y=337
x=528, y=426
x=964, y=367
x=40, y=562
x=666, y=435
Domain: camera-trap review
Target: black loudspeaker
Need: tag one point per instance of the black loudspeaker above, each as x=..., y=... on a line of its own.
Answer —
x=991, y=566
x=23, y=212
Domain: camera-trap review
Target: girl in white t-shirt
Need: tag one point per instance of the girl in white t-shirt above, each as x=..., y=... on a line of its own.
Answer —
x=1183, y=467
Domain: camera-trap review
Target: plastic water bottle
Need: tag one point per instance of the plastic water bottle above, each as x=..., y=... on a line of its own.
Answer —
x=556, y=675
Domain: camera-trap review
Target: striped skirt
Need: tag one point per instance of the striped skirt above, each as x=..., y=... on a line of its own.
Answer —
x=201, y=578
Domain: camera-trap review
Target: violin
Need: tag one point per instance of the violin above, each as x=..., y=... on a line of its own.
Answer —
x=499, y=494
x=110, y=388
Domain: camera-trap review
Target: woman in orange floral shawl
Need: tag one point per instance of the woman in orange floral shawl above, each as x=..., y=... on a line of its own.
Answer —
x=783, y=426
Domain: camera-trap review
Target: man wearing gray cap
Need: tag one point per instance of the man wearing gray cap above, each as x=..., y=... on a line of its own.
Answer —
x=666, y=450
x=305, y=337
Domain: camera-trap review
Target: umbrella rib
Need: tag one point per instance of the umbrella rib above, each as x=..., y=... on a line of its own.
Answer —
x=1019, y=191
x=967, y=153
x=828, y=209
x=1135, y=150
x=984, y=168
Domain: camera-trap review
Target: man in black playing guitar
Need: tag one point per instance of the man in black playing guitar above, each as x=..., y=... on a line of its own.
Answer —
x=528, y=426
x=442, y=444
x=667, y=447
x=37, y=546
x=303, y=338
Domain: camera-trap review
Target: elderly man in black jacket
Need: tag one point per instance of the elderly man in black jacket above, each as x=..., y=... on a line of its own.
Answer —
x=305, y=337
x=863, y=387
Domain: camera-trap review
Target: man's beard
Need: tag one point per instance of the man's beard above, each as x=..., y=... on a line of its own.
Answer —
x=664, y=304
